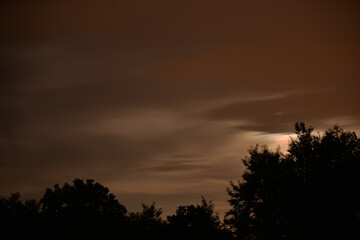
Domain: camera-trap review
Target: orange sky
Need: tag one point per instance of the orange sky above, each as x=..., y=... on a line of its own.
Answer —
x=159, y=100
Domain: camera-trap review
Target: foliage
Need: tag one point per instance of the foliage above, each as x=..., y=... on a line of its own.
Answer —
x=197, y=222
x=86, y=210
x=258, y=201
x=148, y=223
x=17, y=217
x=83, y=209
x=90, y=199
x=310, y=193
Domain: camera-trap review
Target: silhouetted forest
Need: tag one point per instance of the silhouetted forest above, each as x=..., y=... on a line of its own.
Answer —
x=311, y=192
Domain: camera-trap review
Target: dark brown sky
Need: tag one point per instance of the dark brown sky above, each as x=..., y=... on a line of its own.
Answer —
x=159, y=100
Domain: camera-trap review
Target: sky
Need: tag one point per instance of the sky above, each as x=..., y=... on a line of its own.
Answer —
x=160, y=100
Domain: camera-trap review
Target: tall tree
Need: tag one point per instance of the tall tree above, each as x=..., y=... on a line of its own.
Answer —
x=258, y=209
x=310, y=193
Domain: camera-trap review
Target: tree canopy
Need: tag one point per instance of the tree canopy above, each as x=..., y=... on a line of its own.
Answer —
x=82, y=198
x=17, y=215
x=197, y=222
x=147, y=224
x=87, y=210
x=82, y=209
x=312, y=192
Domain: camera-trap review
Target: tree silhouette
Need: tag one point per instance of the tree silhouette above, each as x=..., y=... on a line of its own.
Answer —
x=19, y=219
x=148, y=223
x=258, y=202
x=327, y=169
x=83, y=209
x=196, y=222
x=310, y=193
x=86, y=210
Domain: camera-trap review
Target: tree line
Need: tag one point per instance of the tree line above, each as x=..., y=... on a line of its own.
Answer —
x=311, y=192
x=87, y=210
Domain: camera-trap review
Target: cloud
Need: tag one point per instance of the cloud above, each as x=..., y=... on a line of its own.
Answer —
x=279, y=114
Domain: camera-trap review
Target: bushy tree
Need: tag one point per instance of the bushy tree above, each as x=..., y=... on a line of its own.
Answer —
x=310, y=193
x=328, y=183
x=196, y=222
x=19, y=219
x=258, y=209
x=84, y=208
x=147, y=224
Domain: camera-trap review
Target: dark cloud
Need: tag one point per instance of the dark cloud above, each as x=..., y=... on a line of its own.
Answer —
x=279, y=114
